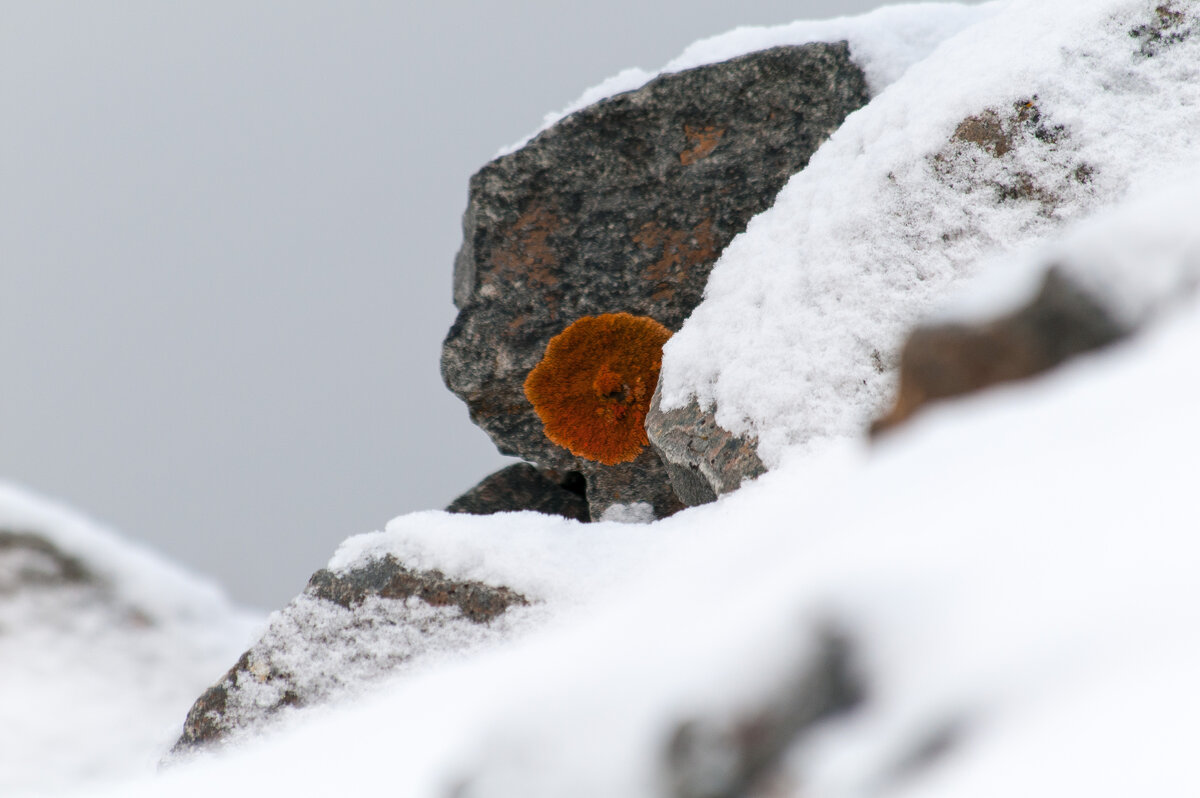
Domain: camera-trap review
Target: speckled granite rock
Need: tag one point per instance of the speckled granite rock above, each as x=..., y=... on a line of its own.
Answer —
x=625, y=206
x=343, y=632
x=703, y=459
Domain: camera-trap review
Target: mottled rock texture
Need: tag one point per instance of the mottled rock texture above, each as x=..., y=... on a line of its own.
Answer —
x=703, y=458
x=343, y=632
x=522, y=487
x=946, y=360
x=625, y=206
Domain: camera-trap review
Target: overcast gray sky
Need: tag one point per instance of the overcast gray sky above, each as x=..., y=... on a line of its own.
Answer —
x=227, y=231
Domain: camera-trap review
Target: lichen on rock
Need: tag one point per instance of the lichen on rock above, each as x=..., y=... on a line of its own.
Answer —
x=593, y=386
x=626, y=205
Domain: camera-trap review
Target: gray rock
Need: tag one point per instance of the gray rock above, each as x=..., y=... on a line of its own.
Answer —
x=345, y=631
x=625, y=206
x=522, y=487
x=703, y=458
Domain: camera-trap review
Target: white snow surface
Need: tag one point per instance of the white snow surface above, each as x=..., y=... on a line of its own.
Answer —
x=1017, y=567
x=99, y=672
x=884, y=43
x=797, y=337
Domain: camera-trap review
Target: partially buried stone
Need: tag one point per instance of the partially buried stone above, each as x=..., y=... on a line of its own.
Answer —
x=946, y=360
x=625, y=206
x=704, y=459
x=522, y=487
x=346, y=631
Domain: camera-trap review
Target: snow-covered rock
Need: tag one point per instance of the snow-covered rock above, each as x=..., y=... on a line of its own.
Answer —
x=1040, y=115
x=431, y=588
x=102, y=645
x=1106, y=279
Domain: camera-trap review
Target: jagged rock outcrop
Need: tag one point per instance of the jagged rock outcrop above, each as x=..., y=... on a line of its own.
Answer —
x=625, y=206
x=946, y=360
x=522, y=487
x=345, y=631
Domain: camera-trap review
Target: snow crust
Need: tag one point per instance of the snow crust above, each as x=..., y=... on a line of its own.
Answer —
x=884, y=43
x=100, y=667
x=796, y=340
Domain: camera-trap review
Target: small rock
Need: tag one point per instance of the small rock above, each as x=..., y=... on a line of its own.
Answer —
x=704, y=459
x=942, y=361
x=522, y=487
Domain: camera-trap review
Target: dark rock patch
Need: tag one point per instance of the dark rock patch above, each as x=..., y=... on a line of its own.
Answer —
x=703, y=459
x=981, y=155
x=947, y=360
x=1169, y=26
x=523, y=487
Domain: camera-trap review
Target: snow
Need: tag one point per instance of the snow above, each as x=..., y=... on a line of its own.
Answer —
x=544, y=558
x=99, y=667
x=1013, y=572
x=884, y=43
x=1017, y=566
x=797, y=337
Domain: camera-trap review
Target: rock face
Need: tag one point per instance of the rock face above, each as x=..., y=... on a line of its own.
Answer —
x=625, y=206
x=522, y=487
x=343, y=632
x=703, y=459
x=948, y=360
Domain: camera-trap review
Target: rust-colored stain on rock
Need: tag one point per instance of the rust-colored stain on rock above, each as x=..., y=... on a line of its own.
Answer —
x=701, y=142
x=528, y=256
x=681, y=250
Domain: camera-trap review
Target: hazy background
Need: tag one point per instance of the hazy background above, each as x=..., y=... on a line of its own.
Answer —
x=227, y=232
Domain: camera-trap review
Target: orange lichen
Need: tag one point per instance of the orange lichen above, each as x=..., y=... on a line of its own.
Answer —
x=593, y=386
x=702, y=141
